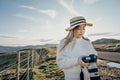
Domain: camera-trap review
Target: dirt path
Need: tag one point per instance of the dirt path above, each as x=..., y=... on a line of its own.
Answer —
x=110, y=56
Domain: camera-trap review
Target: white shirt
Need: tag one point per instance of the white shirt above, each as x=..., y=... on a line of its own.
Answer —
x=67, y=59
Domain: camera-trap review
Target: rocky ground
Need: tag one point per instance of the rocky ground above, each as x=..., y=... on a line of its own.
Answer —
x=107, y=72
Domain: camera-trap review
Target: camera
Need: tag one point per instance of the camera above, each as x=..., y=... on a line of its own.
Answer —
x=89, y=59
x=92, y=68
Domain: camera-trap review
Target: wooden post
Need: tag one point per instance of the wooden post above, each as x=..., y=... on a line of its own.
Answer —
x=28, y=58
x=18, y=65
x=35, y=58
x=40, y=57
x=43, y=55
x=32, y=59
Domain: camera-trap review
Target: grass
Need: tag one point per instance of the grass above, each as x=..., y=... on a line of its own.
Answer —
x=48, y=71
x=108, y=47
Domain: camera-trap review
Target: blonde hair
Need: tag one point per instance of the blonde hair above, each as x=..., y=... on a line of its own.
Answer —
x=71, y=35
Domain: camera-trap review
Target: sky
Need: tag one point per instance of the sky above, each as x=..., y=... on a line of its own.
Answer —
x=38, y=22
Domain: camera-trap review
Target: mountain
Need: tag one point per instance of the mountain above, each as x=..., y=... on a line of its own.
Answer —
x=105, y=41
x=10, y=49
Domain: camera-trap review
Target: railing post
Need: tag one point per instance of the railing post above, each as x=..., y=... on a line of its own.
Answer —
x=18, y=65
x=28, y=58
x=40, y=57
x=32, y=59
x=36, y=58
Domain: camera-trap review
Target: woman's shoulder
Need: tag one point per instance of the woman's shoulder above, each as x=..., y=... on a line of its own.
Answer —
x=87, y=39
x=62, y=41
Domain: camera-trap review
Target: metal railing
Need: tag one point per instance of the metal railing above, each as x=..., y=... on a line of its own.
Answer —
x=20, y=64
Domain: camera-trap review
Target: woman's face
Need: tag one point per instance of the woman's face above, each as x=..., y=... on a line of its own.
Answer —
x=80, y=30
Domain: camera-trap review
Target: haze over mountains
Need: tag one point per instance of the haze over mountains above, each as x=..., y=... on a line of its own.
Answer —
x=10, y=49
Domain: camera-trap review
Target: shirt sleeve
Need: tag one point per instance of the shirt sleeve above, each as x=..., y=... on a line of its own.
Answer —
x=63, y=61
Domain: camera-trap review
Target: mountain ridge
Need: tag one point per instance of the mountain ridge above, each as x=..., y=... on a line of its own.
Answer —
x=12, y=48
x=106, y=41
x=4, y=49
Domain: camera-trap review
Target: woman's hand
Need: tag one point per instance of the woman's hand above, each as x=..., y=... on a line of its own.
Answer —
x=81, y=63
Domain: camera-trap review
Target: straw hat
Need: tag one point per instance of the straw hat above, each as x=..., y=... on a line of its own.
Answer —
x=77, y=21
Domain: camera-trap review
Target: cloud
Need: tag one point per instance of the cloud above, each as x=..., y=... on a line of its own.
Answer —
x=72, y=2
x=17, y=40
x=90, y=2
x=23, y=31
x=69, y=8
x=99, y=34
x=6, y=36
x=30, y=18
x=74, y=12
x=12, y=36
x=27, y=7
x=105, y=34
x=114, y=34
x=49, y=12
x=44, y=40
x=96, y=20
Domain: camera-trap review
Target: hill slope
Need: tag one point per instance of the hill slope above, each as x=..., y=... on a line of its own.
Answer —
x=106, y=41
x=11, y=49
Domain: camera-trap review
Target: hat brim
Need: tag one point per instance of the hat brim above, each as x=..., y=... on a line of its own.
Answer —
x=87, y=25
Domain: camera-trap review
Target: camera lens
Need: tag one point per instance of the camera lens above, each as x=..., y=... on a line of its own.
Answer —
x=86, y=59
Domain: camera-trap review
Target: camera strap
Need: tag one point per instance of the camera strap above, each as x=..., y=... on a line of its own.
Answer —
x=81, y=75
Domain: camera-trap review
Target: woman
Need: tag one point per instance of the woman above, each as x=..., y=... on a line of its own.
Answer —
x=73, y=48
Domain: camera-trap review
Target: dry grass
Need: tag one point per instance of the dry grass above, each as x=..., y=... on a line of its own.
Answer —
x=107, y=72
x=48, y=70
x=108, y=47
